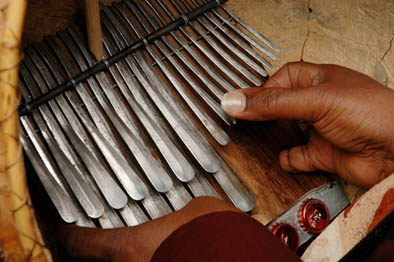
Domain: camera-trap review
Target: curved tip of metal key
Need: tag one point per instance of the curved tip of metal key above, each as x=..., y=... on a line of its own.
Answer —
x=223, y=140
x=263, y=73
x=211, y=165
x=68, y=219
x=244, y=86
x=96, y=212
x=119, y=202
x=185, y=173
x=140, y=192
x=164, y=185
x=227, y=119
x=84, y=221
x=255, y=81
x=267, y=64
x=274, y=57
x=238, y=193
x=68, y=213
x=247, y=206
x=275, y=47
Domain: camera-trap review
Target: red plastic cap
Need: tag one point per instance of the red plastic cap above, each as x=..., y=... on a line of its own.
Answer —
x=287, y=234
x=314, y=215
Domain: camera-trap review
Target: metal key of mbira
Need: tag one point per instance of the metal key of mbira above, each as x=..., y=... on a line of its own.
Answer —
x=121, y=141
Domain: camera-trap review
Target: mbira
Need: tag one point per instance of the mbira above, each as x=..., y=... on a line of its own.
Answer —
x=138, y=140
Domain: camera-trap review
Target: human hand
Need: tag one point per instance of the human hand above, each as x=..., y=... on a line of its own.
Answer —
x=351, y=118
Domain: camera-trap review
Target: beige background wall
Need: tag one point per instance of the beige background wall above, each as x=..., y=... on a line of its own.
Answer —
x=352, y=33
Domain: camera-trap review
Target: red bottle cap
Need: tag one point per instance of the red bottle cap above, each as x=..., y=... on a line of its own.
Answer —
x=314, y=215
x=287, y=234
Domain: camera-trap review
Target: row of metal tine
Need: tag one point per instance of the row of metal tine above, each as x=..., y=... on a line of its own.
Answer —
x=121, y=148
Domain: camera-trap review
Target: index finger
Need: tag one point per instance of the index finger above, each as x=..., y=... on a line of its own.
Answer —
x=297, y=75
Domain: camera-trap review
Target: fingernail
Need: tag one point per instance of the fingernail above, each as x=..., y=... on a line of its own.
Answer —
x=234, y=102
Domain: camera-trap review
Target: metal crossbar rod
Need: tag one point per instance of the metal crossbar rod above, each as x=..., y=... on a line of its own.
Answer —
x=103, y=65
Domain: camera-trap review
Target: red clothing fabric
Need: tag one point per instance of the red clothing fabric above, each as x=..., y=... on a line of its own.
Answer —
x=223, y=236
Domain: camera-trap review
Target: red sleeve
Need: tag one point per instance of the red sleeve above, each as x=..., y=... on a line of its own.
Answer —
x=223, y=236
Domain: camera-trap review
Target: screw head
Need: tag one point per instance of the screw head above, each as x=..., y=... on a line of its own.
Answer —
x=287, y=234
x=314, y=216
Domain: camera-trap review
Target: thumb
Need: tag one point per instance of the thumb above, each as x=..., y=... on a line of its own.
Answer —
x=276, y=103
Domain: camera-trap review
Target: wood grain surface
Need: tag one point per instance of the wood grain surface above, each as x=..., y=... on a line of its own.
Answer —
x=93, y=26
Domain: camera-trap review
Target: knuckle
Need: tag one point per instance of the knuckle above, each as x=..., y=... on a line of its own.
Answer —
x=306, y=158
x=325, y=101
x=295, y=66
x=292, y=159
x=317, y=78
x=292, y=64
